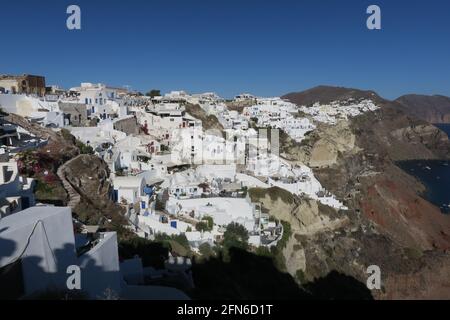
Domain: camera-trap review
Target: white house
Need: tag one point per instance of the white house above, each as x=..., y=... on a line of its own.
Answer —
x=134, y=153
x=183, y=184
x=40, y=243
x=244, y=97
x=222, y=210
x=129, y=189
x=36, y=110
x=160, y=120
x=39, y=251
x=16, y=192
x=103, y=133
x=195, y=147
x=99, y=100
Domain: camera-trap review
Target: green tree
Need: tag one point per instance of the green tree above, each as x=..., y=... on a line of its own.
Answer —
x=84, y=149
x=201, y=226
x=235, y=236
x=206, y=224
x=300, y=275
x=209, y=221
x=206, y=251
x=153, y=93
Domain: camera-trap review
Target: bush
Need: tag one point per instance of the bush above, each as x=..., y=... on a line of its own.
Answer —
x=67, y=135
x=209, y=221
x=153, y=254
x=84, y=149
x=275, y=193
x=181, y=239
x=42, y=187
x=206, y=224
x=300, y=275
x=263, y=252
x=206, y=251
x=153, y=93
x=178, y=244
x=201, y=226
x=235, y=236
x=287, y=232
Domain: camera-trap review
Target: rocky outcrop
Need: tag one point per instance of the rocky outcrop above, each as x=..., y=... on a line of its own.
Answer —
x=433, y=109
x=66, y=147
x=431, y=280
x=88, y=178
x=334, y=140
x=305, y=216
x=388, y=223
x=327, y=94
x=209, y=122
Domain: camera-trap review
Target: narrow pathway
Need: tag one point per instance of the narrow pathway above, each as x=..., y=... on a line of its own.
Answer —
x=74, y=196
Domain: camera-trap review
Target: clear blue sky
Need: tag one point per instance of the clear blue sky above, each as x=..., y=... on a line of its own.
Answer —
x=258, y=46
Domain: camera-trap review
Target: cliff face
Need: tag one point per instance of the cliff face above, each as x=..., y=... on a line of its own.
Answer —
x=433, y=109
x=327, y=94
x=388, y=223
x=88, y=175
x=209, y=122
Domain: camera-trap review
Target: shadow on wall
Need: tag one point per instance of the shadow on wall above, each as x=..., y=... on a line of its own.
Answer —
x=36, y=277
x=245, y=276
x=253, y=277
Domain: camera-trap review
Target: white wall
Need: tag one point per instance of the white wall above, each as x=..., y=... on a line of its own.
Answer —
x=45, y=237
x=100, y=267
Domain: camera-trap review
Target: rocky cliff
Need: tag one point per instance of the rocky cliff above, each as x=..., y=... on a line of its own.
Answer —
x=388, y=223
x=433, y=109
x=88, y=179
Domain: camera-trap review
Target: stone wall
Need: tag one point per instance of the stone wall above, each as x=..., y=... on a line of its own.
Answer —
x=127, y=125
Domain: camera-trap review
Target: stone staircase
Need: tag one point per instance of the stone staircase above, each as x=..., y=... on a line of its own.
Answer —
x=74, y=196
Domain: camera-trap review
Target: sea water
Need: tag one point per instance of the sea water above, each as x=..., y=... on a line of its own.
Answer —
x=435, y=175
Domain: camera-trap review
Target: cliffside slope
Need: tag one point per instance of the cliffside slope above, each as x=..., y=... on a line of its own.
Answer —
x=388, y=224
x=433, y=109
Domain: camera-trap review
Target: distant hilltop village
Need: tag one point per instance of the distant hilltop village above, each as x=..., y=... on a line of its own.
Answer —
x=167, y=166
